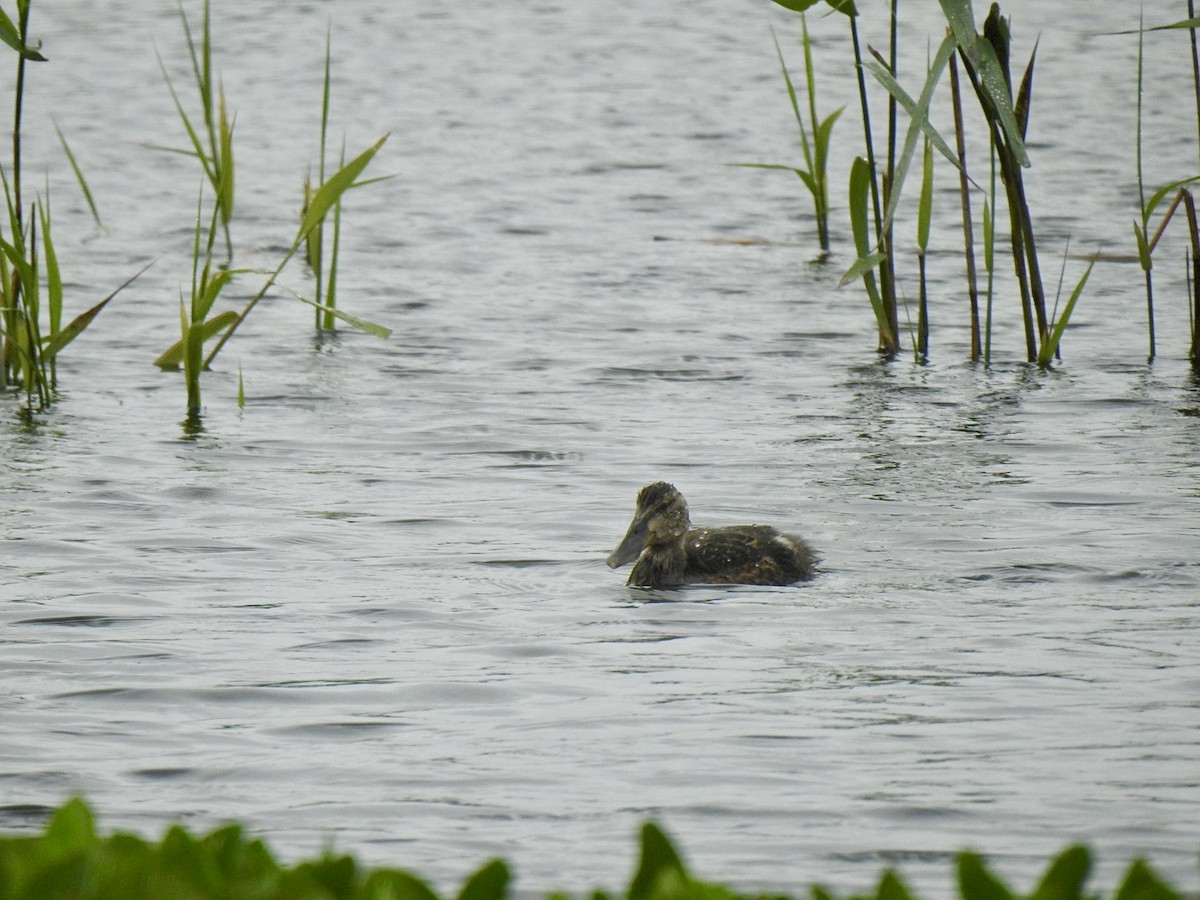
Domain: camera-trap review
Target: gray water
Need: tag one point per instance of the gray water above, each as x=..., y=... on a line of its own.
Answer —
x=371, y=609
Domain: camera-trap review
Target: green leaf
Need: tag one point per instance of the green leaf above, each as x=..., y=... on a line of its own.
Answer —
x=925, y=204
x=71, y=827
x=975, y=882
x=362, y=324
x=76, y=326
x=199, y=333
x=328, y=193
x=83, y=185
x=1157, y=197
x=11, y=36
x=396, y=885
x=918, y=112
x=658, y=859
x=985, y=68
x=1141, y=883
x=1065, y=877
x=1143, y=248
x=489, y=883
x=891, y=887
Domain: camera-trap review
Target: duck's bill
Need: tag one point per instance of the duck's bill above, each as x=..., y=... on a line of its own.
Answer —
x=631, y=545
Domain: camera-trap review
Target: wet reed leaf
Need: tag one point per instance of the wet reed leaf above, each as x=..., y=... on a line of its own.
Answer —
x=987, y=73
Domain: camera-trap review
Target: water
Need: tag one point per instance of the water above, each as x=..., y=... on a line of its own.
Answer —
x=372, y=609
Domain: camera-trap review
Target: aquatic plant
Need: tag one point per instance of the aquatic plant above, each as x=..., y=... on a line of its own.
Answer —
x=32, y=332
x=1147, y=207
x=214, y=150
x=197, y=326
x=70, y=860
x=814, y=136
x=325, y=266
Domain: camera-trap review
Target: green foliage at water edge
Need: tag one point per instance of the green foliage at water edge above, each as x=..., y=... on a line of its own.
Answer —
x=69, y=860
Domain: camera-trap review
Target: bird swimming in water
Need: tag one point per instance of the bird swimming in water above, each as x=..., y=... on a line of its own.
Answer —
x=670, y=552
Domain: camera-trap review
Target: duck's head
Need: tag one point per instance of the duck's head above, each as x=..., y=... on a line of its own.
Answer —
x=661, y=517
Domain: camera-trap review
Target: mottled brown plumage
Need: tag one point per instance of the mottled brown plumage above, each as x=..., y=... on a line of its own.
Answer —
x=669, y=552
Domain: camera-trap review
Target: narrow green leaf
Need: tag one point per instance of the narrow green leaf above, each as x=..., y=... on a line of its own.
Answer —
x=11, y=36
x=984, y=66
x=76, y=326
x=918, y=112
x=327, y=194
x=1143, y=247
x=1182, y=23
x=54, y=287
x=1157, y=197
x=362, y=324
x=83, y=185
x=925, y=204
x=199, y=333
x=1050, y=345
x=860, y=182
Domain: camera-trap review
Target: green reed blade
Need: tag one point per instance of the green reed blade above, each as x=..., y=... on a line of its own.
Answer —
x=203, y=331
x=918, y=112
x=1050, y=345
x=983, y=65
x=805, y=146
x=358, y=322
x=54, y=289
x=11, y=35
x=77, y=325
x=925, y=204
x=83, y=185
x=241, y=389
x=864, y=266
x=329, y=192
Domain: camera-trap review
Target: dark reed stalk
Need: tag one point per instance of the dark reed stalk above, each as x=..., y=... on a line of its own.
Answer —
x=964, y=188
x=889, y=327
x=1194, y=230
x=1195, y=67
x=1140, y=233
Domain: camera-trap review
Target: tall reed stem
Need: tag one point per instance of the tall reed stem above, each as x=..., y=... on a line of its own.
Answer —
x=964, y=188
x=888, y=342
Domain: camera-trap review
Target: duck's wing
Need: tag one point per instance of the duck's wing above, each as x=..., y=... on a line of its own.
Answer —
x=739, y=554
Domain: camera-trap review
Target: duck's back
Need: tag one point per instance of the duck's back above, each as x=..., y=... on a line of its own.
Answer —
x=747, y=554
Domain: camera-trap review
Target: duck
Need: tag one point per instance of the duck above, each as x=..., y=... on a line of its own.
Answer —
x=668, y=552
